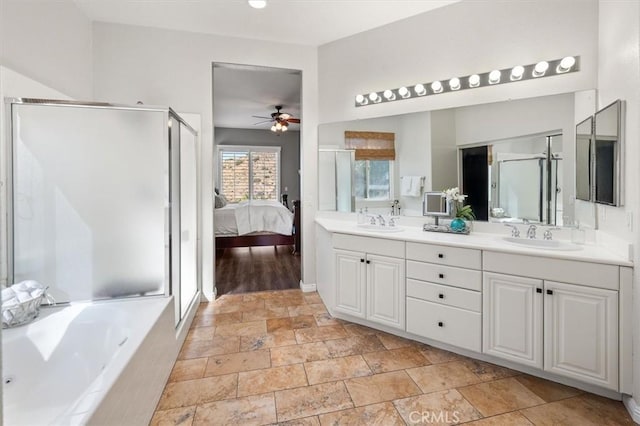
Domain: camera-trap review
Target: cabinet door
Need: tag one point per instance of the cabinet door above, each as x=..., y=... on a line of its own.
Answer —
x=581, y=333
x=350, y=282
x=386, y=290
x=512, y=318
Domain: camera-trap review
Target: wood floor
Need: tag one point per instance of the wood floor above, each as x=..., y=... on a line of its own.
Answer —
x=248, y=269
x=278, y=356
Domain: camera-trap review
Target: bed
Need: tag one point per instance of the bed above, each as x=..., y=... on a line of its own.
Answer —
x=257, y=223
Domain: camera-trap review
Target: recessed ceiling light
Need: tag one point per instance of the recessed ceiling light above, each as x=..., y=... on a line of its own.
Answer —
x=258, y=4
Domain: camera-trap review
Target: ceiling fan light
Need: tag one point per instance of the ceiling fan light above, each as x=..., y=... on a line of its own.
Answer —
x=258, y=4
x=278, y=126
x=283, y=129
x=273, y=128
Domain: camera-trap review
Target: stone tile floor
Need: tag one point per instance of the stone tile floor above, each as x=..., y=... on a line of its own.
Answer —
x=279, y=357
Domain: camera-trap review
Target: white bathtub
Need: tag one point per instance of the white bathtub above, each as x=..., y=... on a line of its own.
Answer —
x=86, y=362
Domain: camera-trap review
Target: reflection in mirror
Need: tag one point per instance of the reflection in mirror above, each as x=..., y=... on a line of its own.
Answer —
x=525, y=182
x=427, y=144
x=607, y=154
x=583, y=160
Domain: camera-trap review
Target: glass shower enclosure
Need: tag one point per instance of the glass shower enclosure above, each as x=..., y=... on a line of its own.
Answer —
x=102, y=200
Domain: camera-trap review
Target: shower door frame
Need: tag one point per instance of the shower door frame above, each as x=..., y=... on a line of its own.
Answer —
x=172, y=221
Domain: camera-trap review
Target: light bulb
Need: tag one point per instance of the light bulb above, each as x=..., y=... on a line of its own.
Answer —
x=474, y=80
x=373, y=97
x=404, y=92
x=436, y=86
x=258, y=4
x=454, y=83
x=419, y=89
x=494, y=77
x=361, y=100
x=278, y=126
x=566, y=64
x=540, y=68
x=283, y=129
x=389, y=95
x=517, y=72
x=273, y=129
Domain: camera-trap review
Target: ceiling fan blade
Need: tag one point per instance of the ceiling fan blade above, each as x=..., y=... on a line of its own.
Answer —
x=262, y=122
x=293, y=120
x=262, y=116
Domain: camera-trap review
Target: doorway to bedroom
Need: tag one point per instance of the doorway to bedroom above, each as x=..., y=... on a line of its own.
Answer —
x=256, y=117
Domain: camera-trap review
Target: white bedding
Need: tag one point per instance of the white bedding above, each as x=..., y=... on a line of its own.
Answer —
x=253, y=216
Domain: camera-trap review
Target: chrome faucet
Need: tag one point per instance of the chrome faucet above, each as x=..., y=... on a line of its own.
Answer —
x=548, y=235
x=381, y=219
x=515, y=232
x=531, y=232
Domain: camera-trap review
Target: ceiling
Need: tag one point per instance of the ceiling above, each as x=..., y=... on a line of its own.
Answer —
x=242, y=91
x=307, y=22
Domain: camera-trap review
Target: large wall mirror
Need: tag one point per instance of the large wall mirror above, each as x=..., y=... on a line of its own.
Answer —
x=536, y=134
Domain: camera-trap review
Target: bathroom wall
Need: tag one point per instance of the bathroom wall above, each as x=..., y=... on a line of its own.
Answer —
x=165, y=67
x=619, y=78
x=456, y=40
x=49, y=42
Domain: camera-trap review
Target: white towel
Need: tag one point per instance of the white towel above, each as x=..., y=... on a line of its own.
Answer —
x=411, y=186
x=19, y=293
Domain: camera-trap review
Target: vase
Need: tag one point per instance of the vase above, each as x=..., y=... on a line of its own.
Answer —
x=458, y=225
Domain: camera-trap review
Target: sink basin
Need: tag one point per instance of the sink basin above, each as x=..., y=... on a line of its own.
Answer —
x=378, y=228
x=542, y=244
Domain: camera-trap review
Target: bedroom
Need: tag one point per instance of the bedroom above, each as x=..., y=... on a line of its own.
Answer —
x=257, y=168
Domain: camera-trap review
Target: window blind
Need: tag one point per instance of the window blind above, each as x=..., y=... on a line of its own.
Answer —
x=371, y=145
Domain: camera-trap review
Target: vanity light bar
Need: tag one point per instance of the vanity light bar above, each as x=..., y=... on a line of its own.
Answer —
x=540, y=69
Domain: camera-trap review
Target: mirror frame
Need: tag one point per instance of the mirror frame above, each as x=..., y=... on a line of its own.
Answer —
x=444, y=203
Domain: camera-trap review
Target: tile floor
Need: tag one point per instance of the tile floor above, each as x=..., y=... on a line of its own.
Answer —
x=279, y=357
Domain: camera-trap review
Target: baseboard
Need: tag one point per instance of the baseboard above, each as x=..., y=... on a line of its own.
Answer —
x=307, y=288
x=632, y=407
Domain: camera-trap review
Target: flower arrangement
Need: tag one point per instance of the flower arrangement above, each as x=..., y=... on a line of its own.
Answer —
x=454, y=196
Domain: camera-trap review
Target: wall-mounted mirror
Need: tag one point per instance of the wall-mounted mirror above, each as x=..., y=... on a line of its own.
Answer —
x=584, y=171
x=427, y=145
x=607, y=150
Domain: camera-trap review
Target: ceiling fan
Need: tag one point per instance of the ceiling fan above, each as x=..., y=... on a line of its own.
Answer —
x=281, y=120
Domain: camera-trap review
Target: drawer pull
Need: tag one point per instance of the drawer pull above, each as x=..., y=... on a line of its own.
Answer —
x=440, y=255
x=441, y=276
x=440, y=296
x=549, y=291
x=538, y=290
x=362, y=260
x=368, y=262
x=440, y=324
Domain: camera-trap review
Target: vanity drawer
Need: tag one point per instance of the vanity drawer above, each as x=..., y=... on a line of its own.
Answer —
x=445, y=295
x=449, y=275
x=567, y=271
x=445, y=255
x=445, y=324
x=381, y=246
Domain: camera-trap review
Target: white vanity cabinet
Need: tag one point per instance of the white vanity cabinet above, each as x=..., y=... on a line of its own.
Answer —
x=370, y=279
x=564, y=328
x=443, y=294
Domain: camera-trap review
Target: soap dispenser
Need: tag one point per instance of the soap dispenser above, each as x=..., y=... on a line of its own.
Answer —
x=361, y=217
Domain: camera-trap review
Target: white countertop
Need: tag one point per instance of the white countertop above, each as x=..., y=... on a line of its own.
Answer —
x=481, y=241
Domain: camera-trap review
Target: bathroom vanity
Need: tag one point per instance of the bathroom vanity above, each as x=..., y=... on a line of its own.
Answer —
x=564, y=315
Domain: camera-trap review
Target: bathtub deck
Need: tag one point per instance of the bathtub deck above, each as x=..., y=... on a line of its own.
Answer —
x=270, y=357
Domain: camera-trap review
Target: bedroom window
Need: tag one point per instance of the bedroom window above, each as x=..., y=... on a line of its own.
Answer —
x=249, y=172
